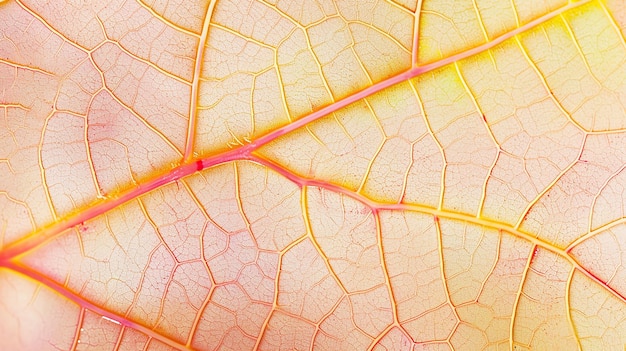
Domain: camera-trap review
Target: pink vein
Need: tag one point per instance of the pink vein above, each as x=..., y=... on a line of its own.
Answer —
x=71, y=296
x=411, y=73
x=244, y=152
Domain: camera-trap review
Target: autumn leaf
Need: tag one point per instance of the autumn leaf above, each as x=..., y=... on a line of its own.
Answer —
x=313, y=175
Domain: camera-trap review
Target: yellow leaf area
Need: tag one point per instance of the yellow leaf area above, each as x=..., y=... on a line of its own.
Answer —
x=312, y=175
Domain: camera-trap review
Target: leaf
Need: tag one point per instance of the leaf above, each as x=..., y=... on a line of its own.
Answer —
x=290, y=175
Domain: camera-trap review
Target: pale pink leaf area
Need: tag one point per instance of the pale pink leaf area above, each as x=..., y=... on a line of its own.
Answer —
x=313, y=175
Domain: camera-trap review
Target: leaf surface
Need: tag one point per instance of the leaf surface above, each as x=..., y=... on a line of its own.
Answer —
x=312, y=175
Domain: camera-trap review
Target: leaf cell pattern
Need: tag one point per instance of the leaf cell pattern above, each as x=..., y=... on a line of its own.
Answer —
x=313, y=175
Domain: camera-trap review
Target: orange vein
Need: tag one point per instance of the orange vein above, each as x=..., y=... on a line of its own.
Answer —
x=193, y=104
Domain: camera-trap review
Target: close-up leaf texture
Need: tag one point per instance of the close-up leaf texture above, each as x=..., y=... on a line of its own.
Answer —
x=312, y=175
